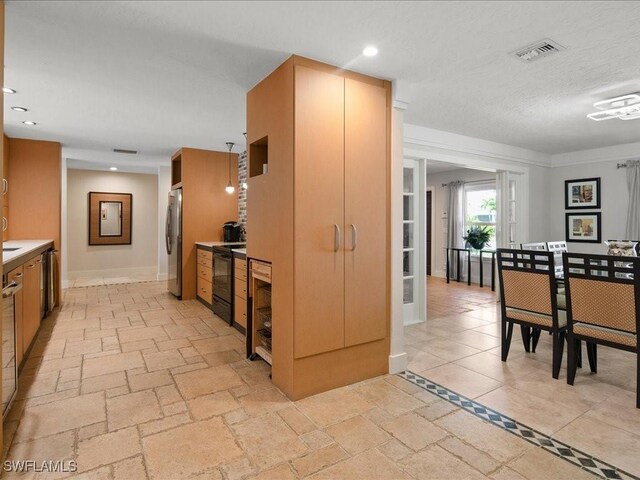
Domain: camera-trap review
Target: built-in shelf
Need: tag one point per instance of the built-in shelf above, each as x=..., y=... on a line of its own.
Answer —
x=259, y=157
x=176, y=170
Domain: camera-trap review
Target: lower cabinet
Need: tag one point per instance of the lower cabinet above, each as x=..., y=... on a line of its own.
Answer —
x=30, y=302
x=204, y=268
x=240, y=290
x=17, y=275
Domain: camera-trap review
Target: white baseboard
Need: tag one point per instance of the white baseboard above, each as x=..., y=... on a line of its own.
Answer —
x=162, y=277
x=65, y=283
x=397, y=363
x=113, y=272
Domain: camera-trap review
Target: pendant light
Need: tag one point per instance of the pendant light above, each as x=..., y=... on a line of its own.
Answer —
x=229, y=189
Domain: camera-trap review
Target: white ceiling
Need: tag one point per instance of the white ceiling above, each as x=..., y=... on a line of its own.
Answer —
x=434, y=166
x=155, y=76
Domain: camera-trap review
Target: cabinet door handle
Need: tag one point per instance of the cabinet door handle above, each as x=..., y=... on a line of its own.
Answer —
x=354, y=237
x=5, y=186
x=18, y=275
x=337, y=238
x=30, y=266
x=5, y=224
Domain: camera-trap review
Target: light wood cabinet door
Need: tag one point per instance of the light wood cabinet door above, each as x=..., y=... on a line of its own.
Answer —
x=319, y=207
x=17, y=275
x=240, y=311
x=366, y=215
x=30, y=302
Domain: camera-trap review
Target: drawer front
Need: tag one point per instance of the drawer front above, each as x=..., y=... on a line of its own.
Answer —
x=240, y=311
x=205, y=273
x=204, y=290
x=241, y=274
x=204, y=261
x=240, y=288
x=205, y=255
x=240, y=264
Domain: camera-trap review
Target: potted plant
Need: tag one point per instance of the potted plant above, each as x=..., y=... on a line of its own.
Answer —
x=477, y=237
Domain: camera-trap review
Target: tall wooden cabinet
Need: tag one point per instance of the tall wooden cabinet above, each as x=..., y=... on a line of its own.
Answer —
x=319, y=212
x=206, y=206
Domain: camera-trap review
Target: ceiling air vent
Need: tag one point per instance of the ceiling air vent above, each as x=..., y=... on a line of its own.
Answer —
x=538, y=50
x=121, y=150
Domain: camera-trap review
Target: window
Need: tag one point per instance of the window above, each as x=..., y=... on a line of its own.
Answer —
x=480, y=208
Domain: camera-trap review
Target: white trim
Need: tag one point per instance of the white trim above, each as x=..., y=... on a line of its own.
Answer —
x=397, y=363
x=113, y=272
x=161, y=277
x=617, y=153
x=422, y=137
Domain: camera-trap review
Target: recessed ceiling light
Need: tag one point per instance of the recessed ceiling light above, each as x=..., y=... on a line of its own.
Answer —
x=19, y=109
x=113, y=169
x=370, y=51
x=8, y=90
x=29, y=122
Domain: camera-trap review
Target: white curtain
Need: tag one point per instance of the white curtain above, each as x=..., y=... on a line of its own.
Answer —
x=633, y=213
x=455, y=216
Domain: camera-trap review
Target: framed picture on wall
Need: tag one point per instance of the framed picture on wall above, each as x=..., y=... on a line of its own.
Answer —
x=582, y=193
x=583, y=227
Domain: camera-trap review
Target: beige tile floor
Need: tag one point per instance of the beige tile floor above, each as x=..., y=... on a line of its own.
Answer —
x=132, y=384
x=459, y=347
x=101, y=281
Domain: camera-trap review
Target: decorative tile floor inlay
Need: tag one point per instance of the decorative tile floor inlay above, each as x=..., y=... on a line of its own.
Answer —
x=560, y=449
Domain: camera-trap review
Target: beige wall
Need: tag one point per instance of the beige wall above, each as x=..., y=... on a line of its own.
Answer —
x=141, y=257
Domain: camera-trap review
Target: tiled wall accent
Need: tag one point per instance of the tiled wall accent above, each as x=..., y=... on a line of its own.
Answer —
x=242, y=192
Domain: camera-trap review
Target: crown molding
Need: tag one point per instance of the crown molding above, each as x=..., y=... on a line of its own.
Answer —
x=615, y=153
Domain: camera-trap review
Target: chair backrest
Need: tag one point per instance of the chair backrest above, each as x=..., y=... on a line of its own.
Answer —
x=534, y=246
x=558, y=248
x=527, y=282
x=601, y=291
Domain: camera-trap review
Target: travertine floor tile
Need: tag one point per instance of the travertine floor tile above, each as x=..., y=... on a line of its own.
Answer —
x=47, y=419
x=108, y=448
x=268, y=440
x=183, y=451
x=370, y=465
x=208, y=380
x=207, y=406
x=119, y=362
x=357, y=434
x=333, y=406
x=132, y=409
x=414, y=431
x=436, y=463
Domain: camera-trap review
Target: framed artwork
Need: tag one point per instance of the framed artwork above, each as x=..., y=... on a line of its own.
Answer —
x=582, y=193
x=110, y=218
x=583, y=227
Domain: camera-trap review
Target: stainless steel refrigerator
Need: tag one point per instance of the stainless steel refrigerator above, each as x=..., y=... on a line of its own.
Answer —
x=173, y=241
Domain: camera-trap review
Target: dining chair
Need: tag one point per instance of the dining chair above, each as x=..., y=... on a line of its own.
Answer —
x=558, y=248
x=603, y=307
x=528, y=293
x=534, y=246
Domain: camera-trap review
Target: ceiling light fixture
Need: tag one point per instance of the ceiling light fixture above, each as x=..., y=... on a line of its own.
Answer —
x=370, y=51
x=229, y=188
x=626, y=107
x=113, y=169
x=8, y=90
x=29, y=122
x=19, y=109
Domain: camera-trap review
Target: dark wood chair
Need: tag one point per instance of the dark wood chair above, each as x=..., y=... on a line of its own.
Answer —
x=528, y=293
x=603, y=307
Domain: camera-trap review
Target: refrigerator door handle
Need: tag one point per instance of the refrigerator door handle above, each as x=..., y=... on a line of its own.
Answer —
x=167, y=237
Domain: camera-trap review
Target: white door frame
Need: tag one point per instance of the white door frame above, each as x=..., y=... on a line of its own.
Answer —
x=433, y=218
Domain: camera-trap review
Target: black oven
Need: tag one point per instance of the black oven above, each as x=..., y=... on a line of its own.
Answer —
x=222, y=282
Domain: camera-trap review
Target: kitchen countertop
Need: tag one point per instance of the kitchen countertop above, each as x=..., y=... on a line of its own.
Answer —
x=218, y=244
x=242, y=251
x=26, y=250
